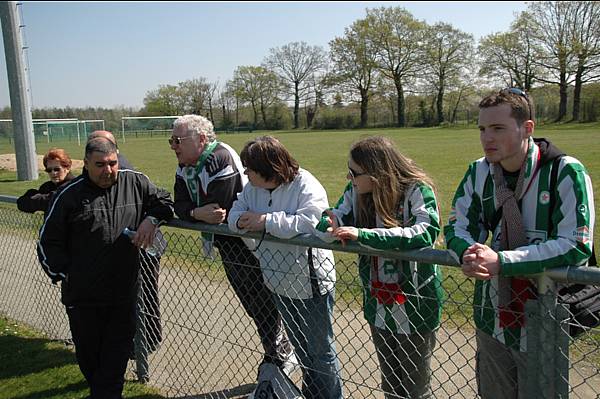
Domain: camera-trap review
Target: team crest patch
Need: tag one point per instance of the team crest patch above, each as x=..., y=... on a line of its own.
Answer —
x=544, y=197
x=582, y=234
x=582, y=209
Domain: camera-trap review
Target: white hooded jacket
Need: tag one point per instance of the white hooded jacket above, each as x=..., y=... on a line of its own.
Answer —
x=291, y=209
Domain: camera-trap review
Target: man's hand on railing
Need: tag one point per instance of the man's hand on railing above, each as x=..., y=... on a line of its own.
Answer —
x=209, y=213
x=480, y=262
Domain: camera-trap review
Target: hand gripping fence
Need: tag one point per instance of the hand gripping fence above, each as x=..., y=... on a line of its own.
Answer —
x=207, y=321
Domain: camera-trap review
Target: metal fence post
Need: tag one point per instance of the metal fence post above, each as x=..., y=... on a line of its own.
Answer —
x=142, y=368
x=547, y=345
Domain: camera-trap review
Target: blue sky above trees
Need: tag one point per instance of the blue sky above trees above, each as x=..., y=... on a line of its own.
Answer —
x=110, y=54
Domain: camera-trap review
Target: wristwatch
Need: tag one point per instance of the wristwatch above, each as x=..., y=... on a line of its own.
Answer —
x=153, y=220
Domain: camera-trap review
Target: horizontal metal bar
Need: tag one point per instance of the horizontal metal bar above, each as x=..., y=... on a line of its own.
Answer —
x=570, y=274
x=425, y=255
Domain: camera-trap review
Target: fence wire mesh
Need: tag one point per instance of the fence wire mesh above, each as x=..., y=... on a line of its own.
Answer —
x=204, y=329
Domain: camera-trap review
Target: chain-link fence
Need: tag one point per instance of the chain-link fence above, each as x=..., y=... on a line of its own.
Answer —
x=203, y=330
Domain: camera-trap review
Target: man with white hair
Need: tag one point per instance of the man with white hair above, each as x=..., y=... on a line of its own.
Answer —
x=208, y=179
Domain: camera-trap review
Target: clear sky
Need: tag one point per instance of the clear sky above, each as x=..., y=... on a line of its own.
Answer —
x=113, y=53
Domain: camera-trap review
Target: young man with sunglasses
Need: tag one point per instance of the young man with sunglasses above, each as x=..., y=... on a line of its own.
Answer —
x=507, y=194
x=207, y=181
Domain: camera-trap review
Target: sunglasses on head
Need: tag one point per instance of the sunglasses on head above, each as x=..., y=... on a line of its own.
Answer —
x=354, y=174
x=56, y=169
x=177, y=140
x=521, y=93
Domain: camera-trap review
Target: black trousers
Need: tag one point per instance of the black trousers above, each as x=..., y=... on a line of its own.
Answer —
x=103, y=337
x=243, y=272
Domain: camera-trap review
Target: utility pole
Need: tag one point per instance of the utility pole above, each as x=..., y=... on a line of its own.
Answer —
x=27, y=168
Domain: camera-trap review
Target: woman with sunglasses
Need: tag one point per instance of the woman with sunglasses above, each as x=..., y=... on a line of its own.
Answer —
x=390, y=204
x=58, y=166
x=284, y=200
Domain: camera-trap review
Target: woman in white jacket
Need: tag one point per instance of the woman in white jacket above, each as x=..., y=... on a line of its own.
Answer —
x=284, y=200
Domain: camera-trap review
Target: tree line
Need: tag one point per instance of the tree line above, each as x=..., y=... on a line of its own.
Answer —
x=392, y=69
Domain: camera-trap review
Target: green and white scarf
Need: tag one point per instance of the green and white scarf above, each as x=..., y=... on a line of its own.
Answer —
x=191, y=174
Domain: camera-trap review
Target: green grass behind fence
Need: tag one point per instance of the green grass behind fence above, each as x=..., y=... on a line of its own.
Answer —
x=34, y=367
x=444, y=153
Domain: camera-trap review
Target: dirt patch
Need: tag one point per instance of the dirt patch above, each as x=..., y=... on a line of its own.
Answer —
x=9, y=162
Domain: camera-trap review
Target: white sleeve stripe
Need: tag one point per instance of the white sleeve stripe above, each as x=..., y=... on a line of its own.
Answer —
x=43, y=261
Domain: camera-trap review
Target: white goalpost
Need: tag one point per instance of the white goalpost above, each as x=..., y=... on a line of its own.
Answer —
x=85, y=123
x=64, y=127
x=148, y=124
x=49, y=124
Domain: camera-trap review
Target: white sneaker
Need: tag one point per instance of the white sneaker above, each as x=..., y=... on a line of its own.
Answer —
x=291, y=365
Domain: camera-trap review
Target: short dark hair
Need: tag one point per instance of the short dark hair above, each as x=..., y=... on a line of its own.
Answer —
x=100, y=144
x=521, y=104
x=269, y=158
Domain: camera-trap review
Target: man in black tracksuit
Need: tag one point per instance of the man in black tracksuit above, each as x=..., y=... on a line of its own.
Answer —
x=81, y=244
x=148, y=302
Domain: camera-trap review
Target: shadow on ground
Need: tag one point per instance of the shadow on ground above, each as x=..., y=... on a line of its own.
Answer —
x=237, y=392
x=30, y=355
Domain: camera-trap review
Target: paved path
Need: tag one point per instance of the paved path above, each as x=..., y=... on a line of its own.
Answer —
x=210, y=348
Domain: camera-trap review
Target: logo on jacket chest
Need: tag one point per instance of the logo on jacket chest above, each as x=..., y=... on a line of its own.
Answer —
x=544, y=198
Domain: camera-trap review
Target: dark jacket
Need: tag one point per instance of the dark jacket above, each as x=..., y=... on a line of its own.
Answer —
x=220, y=180
x=81, y=240
x=38, y=200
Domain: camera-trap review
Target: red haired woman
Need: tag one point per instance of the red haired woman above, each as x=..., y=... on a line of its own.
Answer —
x=58, y=166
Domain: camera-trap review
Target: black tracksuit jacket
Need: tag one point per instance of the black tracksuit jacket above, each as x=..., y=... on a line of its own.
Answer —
x=81, y=240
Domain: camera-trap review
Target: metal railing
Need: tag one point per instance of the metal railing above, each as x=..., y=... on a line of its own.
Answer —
x=195, y=338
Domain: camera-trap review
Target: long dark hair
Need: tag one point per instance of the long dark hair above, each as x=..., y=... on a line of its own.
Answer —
x=391, y=173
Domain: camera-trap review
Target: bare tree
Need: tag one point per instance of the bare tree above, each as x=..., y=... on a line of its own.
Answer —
x=295, y=63
x=509, y=56
x=194, y=93
x=585, y=31
x=354, y=65
x=211, y=94
x=258, y=86
x=398, y=39
x=447, y=51
x=166, y=100
x=551, y=22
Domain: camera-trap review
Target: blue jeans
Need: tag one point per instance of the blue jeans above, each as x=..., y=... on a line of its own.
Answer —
x=309, y=325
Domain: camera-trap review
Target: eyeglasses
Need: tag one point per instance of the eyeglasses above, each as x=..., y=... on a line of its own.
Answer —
x=177, y=140
x=521, y=93
x=354, y=174
x=56, y=169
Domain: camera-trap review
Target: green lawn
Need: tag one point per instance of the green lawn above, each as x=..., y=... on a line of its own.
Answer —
x=39, y=368
x=444, y=153
x=34, y=367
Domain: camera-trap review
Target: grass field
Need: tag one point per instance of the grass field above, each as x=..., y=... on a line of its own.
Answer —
x=444, y=153
x=34, y=367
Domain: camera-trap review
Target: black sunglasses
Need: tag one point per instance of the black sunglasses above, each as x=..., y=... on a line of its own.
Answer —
x=177, y=140
x=521, y=93
x=56, y=169
x=354, y=174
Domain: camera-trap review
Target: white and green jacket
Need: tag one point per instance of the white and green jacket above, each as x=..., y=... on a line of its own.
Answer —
x=568, y=243
x=400, y=296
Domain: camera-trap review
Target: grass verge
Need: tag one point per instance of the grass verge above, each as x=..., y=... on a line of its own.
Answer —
x=34, y=367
